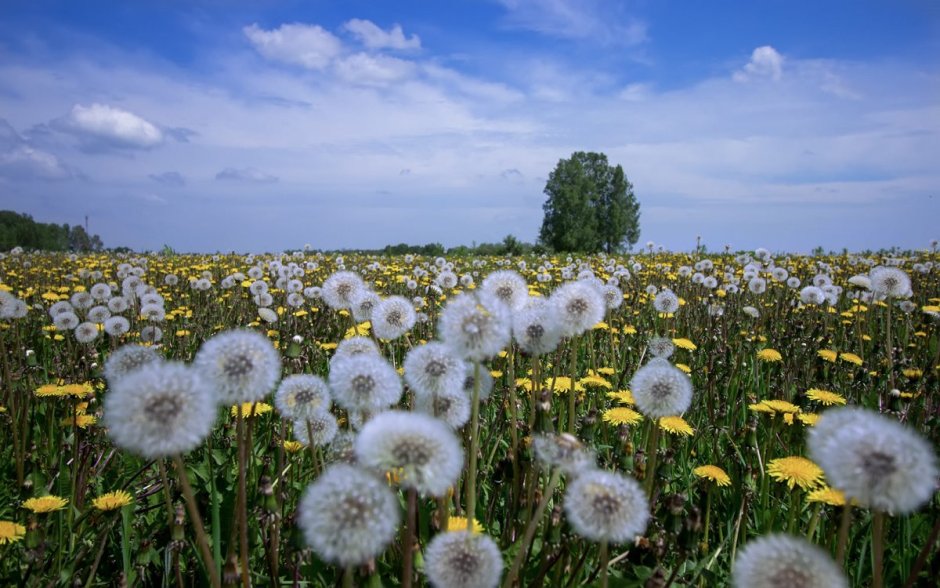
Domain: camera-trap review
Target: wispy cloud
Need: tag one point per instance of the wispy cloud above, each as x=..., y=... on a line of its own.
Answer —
x=170, y=178
x=19, y=160
x=100, y=126
x=598, y=20
x=374, y=37
x=247, y=174
x=765, y=62
x=308, y=46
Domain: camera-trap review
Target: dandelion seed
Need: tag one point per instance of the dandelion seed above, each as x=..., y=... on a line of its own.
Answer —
x=461, y=559
x=127, y=359
x=452, y=406
x=393, y=317
x=605, y=506
x=662, y=347
x=318, y=429
x=339, y=291
x=348, y=516
x=508, y=287
x=302, y=395
x=666, y=302
x=783, y=560
x=477, y=327
x=890, y=282
x=563, y=451
x=661, y=389
x=535, y=326
x=874, y=460
x=578, y=307
x=423, y=451
x=160, y=410
x=243, y=366
x=364, y=382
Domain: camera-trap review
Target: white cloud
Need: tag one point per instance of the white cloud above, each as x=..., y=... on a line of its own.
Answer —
x=246, y=174
x=637, y=92
x=309, y=46
x=765, y=62
x=373, y=70
x=19, y=160
x=596, y=20
x=374, y=37
x=104, y=126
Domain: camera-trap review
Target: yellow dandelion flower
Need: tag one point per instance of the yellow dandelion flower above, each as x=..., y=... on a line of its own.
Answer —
x=684, y=368
x=683, y=343
x=828, y=354
x=827, y=495
x=795, y=471
x=80, y=390
x=524, y=383
x=595, y=381
x=460, y=524
x=605, y=371
x=788, y=418
x=760, y=407
x=851, y=358
x=360, y=330
x=562, y=384
x=629, y=330
x=496, y=373
x=43, y=504
x=781, y=406
x=912, y=373
x=808, y=418
x=622, y=396
x=676, y=425
x=48, y=390
x=11, y=532
x=292, y=446
x=112, y=500
x=80, y=420
x=824, y=396
x=769, y=354
x=713, y=473
x=622, y=415
x=327, y=346
x=259, y=409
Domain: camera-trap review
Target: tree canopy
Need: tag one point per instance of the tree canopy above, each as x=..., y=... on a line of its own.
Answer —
x=590, y=206
x=20, y=230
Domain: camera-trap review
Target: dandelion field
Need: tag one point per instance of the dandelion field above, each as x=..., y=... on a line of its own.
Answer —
x=306, y=419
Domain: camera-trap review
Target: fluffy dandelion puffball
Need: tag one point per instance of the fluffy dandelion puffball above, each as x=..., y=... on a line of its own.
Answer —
x=485, y=381
x=364, y=382
x=451, y=406
x=874, y=459
x=393, y=317
x=348, y=516
x=477, y=326
x=302, y=395
x=340, y=290
x=433, y=368
x=606, y=506
x=128, y=359
x=890, y=282
x=661, y=347
x=666, y=302
x=563, y=451
x=661, y=389
x=420, y=450
x=243, y=366
x=579, y=306
x=508, y=286
x=784, y=560
x=535, y=326
x=461, y=559
x=316, y=429
x=160, y=410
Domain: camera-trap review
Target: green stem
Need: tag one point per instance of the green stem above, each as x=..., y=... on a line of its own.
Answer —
x=408, y=541
x=651, y=450
x=242, y=498
x=605, y=558
x=877, y=548
x=474, y=443
x=196, y=520
x=572, y=393
x=126, y=531
x=531, y=528
x=844, y=525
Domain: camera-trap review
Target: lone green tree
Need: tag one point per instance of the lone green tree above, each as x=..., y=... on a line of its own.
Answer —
x=590, y=206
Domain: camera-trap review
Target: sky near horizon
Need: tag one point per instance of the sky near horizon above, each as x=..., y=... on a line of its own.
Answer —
x=261, y=125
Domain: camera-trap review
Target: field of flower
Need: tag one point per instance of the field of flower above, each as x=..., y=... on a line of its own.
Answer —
x=656, y=419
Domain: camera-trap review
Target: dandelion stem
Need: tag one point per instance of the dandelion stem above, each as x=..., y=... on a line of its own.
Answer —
x=201, y=539
x=408, y=541
x=651, y=450
x=572, y=394
x=877, y=548
x=844, y=525
x=349, y=577
x=242, y=498
x=474, y=443
x=605, y=558
x=531, y=528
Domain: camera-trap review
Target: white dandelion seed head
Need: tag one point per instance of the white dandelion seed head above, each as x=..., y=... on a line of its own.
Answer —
x=757, y=285
x=267, y=315
x=116, y=326
x=363, y=303
x=661, y=389
x=126, y=360
x=578, y=307
x=451, y=406
x=535, y=326
x=890, y=282
x=354, y=346
x=364, y=382
x=65, y=321
x=421, y=450
x=321, y=425
x=434, y=368
x=160, y=410
x=666, y=301
x=82, y=300
x=613, y=296
x=151, y=334
x=348, y=516
x=393, y=317
x=339, y=291
x=460, y=559
x=507, y=286
x=60, y=307
x=661, y=347
x=779, y=559
x=820, y=280
x=118, y=304
x=243, y=366
x=563, y=451
x=486, y=381
x=153, y=312
x=302, y=395
x=812, y=295
x=874, y=459
x=476, y=326
x=100, y=292
x=86, y=332
x=751, y=311
x=606, y=506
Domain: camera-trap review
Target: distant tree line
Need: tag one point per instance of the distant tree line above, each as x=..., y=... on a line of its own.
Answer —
x=20, y=230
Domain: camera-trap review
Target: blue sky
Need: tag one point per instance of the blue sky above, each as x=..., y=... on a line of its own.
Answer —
x=256, y=125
